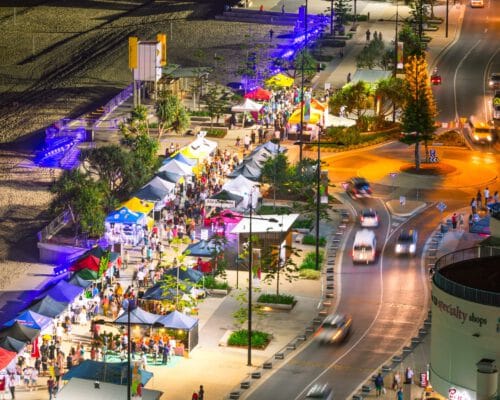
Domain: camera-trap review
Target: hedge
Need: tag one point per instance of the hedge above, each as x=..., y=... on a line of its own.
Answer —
x=240, y=338
x=311, y=239
x=309, y=261
x=276, y=299
x=211, y=283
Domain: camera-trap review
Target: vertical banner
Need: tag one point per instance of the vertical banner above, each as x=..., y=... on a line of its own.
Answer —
x=162, y=39
x=132, y=52
x=399, y=56
x=307, y=107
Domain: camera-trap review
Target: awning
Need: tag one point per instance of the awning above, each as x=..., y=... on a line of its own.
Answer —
x=137, y=316
x=49, y=307
x=32, y=320
x=314, y=117
x=19, y=332
x=125, y=216
x=156, y=190
x=186, y=160
x=138, y=205
x=169, y=176
x=259, y=94
x=63, y=292
x=203, y=248
x=260, y=225
x=6, y=357
x=11, y=344
x=247, y=106
x=280, y=80
x=104, y=372
x=176, y=167
x=185, y=274
x=89, y=261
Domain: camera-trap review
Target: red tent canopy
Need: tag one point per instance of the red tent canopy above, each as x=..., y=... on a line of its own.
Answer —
x=90, y=262
x=259, y=94
x=6, y=357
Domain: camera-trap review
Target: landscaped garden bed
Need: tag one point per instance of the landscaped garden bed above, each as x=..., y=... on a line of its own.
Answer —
x=216, y=286
x=260, y=339
x=277, y=302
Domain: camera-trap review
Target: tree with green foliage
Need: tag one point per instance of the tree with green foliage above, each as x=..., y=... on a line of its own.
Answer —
x=310, y=65
x=372, y=54
x=108, y=165
x=420, y=110
x=84, y=196
x=419, y=15
x=137, y=123
x=412, y=45
x=392, y=95
x=217, y=102
x=276, y=269
x=356, y=97
x=171, y=114
x=275, y=172
x=342, y=8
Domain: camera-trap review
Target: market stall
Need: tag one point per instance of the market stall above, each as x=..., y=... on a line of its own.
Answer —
x=63, y=292
x=183, y=327
x=32, y=320
x=49, y=307
x=6, y=356
x=19, y=332
x=259, y=94
x=125, y=226
x=279, y=81
x=10, y=344
x=104, y=372
x=176, y=167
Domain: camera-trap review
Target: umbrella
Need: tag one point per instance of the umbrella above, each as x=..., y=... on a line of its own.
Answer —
x=259, y=94
x=314, y=117
x=280, y=80
x=188, y=274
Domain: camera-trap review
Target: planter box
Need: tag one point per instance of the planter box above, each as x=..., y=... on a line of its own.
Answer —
x=218, y=292
x=276, y=306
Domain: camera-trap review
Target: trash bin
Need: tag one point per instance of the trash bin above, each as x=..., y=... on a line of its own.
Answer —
x=444, y=228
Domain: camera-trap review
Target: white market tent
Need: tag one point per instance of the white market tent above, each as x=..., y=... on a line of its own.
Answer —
x=247, y=106
x=243, y=187
x=203, y=144
x=83, y=389
x=176, y=167
x=260, y=225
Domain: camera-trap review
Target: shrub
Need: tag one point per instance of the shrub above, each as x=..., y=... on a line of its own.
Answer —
x=311, y=239
x=310, y=274
x=240, y=338
x=199, y=113
x=306, y=223
x=217, y=133
x=270, y=210
x=276, y=299
x=309, y=261
x=211, y=283
x=451, y=138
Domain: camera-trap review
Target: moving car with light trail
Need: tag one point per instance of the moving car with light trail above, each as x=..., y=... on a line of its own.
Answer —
x=320, y=391
x=334, y=328
x=358, y=188
x=369, y=218
x=407, y=242
x=364, y=249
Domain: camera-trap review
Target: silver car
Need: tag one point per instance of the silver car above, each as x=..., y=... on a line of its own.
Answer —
x=320, y=391
x=334, y=328
x=407, y=242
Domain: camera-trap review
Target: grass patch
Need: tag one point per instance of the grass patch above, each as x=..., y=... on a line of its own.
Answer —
x=309, y=261
x=240, y=338
x=310, y=274
x=306, y=223
x=199, y=113
x=276, y=299
x=212, y=283
x=311, y=239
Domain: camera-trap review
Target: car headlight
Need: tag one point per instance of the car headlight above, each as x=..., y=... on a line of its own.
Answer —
x=412, y=248
x=476, y=137
x=398, y=248
x=488, y=138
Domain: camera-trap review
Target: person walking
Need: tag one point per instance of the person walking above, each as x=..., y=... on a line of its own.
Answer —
x=396, y=381
x=473, y=206
x=479, y=199
x=349, y=77
x=11, y=383
x=368, y=34
x=51, y=387
x=399, y=394
x=271, y=34
x=486, y=194
x=409, y=375
x=201, y=393
x=379, y=384
x=495, y=197
x=454, y=221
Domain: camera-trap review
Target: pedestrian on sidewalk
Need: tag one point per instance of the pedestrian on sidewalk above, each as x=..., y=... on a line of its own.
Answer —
x=454, y=221
x=409, y=375
x=11, y=383
x=396, y=381
x=261, y=8
x=461, y=222
x=379, y=384
x=283, y=7
x=471, y=222
x=495, y=197
x=479, y=199
x=399, y=394
x=51, y=387
x=473, y=206
x=271, y=34
x=349, y=77
x=201, y=393
x=368, y=34
x=486, y=194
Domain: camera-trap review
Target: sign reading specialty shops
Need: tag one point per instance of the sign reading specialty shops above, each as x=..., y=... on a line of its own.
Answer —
x=457, y=312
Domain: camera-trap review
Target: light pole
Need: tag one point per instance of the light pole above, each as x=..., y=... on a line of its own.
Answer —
x=447, y=12
x=302, y=84
x=395, y=72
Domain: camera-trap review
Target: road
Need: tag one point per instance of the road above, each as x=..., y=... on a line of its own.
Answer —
x=466, y=66
x=387, y=301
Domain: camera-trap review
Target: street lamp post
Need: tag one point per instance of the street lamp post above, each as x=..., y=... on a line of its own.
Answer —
x=395, y=72
x=318, y=199
x=302, y=84
x=447, y=12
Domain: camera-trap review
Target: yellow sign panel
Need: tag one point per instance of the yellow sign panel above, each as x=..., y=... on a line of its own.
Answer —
x=132, y=52
x=162, y=39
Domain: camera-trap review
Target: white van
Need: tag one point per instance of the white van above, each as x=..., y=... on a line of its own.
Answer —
x=364, y=248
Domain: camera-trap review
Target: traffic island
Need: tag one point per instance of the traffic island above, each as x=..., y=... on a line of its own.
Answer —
x=405, y=208
x=428, y=169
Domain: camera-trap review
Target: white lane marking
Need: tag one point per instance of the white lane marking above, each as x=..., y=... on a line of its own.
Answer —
x=455, y=77
x=381, y=279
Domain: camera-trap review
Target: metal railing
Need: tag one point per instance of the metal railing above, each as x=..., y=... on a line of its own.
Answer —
x=54, y=226
x=462, y=291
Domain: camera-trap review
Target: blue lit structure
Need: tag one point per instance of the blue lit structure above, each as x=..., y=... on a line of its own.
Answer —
x=60, y=149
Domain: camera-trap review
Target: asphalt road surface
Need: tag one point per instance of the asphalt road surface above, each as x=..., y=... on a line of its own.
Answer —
x=387, y=300
x=466, y=66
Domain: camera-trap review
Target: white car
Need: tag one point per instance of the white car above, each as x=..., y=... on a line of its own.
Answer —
x=407, y=242
x=320, y=391
x=369, y=218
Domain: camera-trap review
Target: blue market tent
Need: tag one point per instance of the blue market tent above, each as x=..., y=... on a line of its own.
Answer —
x=79, y=281
x=203, y=248
x=271, y=147
x=31, y=319
x=157, y=292
x=11, y=344
x=156, y=190
x=177, y=320
x=64, y=292
x=19, y=332
x=125, y=216
x=169, y=176
x=188, y=274
x=49, y=307
x=104, y=372
x=138, y=316
x=186, y=160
